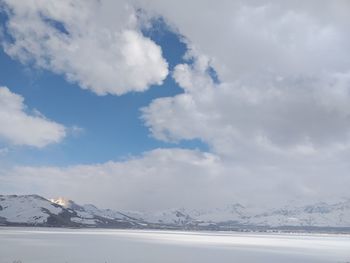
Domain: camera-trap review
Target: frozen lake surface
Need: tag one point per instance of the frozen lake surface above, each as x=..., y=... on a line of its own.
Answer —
x=44, y=245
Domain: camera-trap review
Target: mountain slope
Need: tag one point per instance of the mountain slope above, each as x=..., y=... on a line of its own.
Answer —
x=33, y=210
x=317, y=215
x=89, y=213
x=36, y=210
x=29, y=209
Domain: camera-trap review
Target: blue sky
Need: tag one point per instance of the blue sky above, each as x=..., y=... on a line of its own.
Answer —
x=109, y=127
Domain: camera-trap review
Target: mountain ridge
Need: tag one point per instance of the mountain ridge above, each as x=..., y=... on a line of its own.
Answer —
x=35, y=210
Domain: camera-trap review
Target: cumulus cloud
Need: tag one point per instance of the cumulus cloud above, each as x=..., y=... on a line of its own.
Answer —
x=249, y=39
x=97, y=44
x=280, y=140
x=280, y=109
x=296, y=115
x=21, y=128
x=284, y=76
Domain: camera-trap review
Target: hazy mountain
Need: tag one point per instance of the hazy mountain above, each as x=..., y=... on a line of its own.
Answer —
x=36, y=210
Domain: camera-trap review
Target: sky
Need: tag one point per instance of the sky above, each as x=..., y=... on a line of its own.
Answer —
x=151, y=105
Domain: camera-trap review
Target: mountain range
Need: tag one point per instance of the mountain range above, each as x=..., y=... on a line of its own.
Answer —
x=34, y=210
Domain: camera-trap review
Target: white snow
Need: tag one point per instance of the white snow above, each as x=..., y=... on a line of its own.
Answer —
x=95, y=245
x=26, y=209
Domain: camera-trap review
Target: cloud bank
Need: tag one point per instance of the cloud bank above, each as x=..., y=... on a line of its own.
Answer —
x=174, y=178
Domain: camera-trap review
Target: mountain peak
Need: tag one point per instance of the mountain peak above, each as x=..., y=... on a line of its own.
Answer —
x=62, y=201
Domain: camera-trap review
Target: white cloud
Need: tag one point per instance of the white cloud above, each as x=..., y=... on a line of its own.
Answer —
x=284, y=140
x=21, y=128
x=281, y=110
x=95, y=43
x=284, y=71
x=250, y=39
x=152, y=181
x=172, y=178
x=282, y=115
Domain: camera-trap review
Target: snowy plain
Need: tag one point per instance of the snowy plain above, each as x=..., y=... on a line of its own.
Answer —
x=52, y=245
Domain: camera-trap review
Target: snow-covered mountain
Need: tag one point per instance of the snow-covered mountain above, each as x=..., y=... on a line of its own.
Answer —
x=318, y=215
x=36, y=210
x=229, y=213
x=177, y=217
x=30, y=209
x=315, y=215
x=89, y=212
